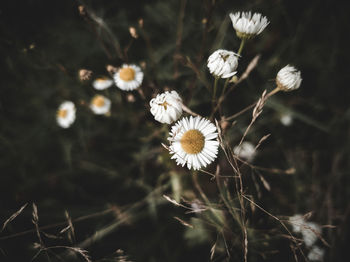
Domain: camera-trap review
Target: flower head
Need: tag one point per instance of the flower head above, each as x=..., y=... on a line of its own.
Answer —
x=65, y=115
x=247, y=25
x=102, y=83
x=100, y=105
x=310, y=233
x=288, y=78
x=223, y=63
x=297, y=222
x=245, y=151
x=128, y=77
x=286, y=119
x=166, y=107
x=316, y=254
x=194, y=142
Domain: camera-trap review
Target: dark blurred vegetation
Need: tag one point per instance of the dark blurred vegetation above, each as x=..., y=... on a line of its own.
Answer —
x=116, y=163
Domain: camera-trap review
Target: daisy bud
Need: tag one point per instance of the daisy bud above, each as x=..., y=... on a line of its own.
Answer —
x=133, y=33
x=128, y=77
x=100, y=105
x=111, y=69
x=65, y=115
x=84, y=74
x=194, y=142
x=166, y=107
x=223, y=63
x=288, y=78
x=247, y=25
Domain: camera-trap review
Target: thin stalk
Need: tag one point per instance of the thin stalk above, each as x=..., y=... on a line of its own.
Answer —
x=241, y=46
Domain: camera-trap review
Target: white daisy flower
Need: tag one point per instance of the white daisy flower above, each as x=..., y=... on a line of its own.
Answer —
x=100, y=105
x=310, y=233
x=297, y=221
x=248, y=25
x=166, y=107
x=102, y=83
x=316, y=254
x=193, y=142
x=65, y=115
x=223, y=63
x=128, y=77
x=288, y=78
x=286, y=119
x=245, y=151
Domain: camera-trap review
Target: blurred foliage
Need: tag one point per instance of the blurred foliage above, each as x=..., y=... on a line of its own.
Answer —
x=117, y=163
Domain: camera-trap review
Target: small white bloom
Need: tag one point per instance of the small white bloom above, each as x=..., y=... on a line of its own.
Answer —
x=316, y=254
x=128, y=77
x=102, y=83
x=245, y=151
x=286, y=119
x=65, y=115
x=100, y=105
x=310, y=232
x=166, y=107
x=248, y=25
x=193, y=142
x=223, y=63
x=297, y=221
x=288, y=78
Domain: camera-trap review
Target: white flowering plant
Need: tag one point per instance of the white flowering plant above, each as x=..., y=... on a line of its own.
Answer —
x=186, y=139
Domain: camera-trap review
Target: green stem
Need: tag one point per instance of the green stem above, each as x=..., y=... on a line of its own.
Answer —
x=215, y=87
x=241, y=46
x=225, y=85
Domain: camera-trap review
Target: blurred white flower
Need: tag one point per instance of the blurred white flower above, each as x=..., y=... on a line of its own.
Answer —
x=288, y=78
x=166, y=107
x=100, y=105
x=310, y=232
x=128, y=77
x=286, y=119
x=297, y=221
x=248, y=25
x=223, y=63
x=316, y=254
x=193, y=142
x=102, y=83
x=65, y=115
x=245, y=151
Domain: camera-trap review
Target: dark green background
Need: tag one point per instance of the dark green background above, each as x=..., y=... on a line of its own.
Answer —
x=103, y=161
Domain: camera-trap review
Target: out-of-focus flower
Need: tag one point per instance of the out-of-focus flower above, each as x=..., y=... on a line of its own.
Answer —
x=65, y=115
x=223, y=63
x=247, y=25
x=297, y=221
x=245, y=151
x=166, y=107
x=102, y=83
x=310, y=232
x=128, y=77
x=133, y=33
x=316, y=254
x=84, y=74
x=286, y=119
x=100, y=105
x=193, y=142
x=288, y=78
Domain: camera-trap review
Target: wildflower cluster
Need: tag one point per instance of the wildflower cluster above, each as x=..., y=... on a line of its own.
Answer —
x=127, y=78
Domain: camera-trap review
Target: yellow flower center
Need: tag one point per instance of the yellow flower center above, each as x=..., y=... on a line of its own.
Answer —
x=127, y=73
x=192, y=141
x=101, y=79
x=98, y=101
x=62, y=113
x=165, y=104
